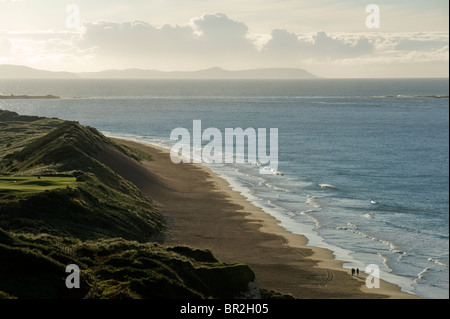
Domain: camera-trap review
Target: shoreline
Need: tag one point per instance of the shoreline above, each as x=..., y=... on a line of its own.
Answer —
x=204, y=212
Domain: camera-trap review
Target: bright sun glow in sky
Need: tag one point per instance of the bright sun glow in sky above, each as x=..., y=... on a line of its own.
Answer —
x=326, y=37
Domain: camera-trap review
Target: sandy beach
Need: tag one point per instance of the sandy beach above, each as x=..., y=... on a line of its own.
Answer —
x=204, y=212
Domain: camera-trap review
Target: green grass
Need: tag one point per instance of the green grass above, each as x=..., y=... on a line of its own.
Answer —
x=113, y=269
x=33, y=184
x=81, y=211
x=17, y=131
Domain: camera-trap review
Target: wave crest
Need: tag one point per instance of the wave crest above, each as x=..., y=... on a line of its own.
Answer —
x=327, y=186
x=313, y=201
x=438, y=262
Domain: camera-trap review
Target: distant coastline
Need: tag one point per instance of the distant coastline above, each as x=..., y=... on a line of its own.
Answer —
x=27, y=97
x=23, y=72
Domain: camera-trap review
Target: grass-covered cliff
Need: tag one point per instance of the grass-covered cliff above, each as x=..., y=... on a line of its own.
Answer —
x=101, y=204
x=62, y=202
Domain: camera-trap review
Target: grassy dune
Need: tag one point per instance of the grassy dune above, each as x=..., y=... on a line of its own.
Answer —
x=81, y=211
x=112, y=269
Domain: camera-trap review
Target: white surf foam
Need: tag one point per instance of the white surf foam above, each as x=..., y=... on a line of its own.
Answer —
x=438, y=262
x=327, y=186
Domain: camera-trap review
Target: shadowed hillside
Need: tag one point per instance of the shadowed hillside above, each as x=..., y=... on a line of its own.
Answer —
x=105, y=204
x=99, y=221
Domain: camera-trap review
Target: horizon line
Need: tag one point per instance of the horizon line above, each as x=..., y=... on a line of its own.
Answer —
x=218, y=68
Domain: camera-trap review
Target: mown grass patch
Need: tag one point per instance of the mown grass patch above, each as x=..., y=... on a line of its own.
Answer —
x=34, y=184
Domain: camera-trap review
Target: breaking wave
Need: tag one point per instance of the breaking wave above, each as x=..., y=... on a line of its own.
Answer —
x=438, y=262
x=420, y=276
x=327, y=186
x=313, y=201
x=277, y=188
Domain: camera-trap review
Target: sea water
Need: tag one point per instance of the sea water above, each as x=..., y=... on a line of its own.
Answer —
x=364, y=163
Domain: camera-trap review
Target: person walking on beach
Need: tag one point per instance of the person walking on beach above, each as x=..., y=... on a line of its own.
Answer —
x=353, y=271
x=357, y=271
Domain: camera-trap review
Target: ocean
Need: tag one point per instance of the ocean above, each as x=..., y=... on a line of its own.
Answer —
x=364, y=162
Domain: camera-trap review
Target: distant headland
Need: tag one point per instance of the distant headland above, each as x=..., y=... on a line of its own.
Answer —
x=23, y=72
x=27, y=97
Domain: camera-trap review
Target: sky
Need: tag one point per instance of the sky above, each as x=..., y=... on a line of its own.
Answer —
x=333, y=39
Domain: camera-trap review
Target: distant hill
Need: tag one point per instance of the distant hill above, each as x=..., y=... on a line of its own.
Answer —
x=16, y=72
x=23, y=72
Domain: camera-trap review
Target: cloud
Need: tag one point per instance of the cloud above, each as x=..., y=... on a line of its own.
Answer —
x=5, y=47
x=341, y=47
x=218, y=26
x=45, y=49
x=134, y=38
x=217, y=40
x=319, y=45
x=419, y=45
x=212, y=38
x=283, y=41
